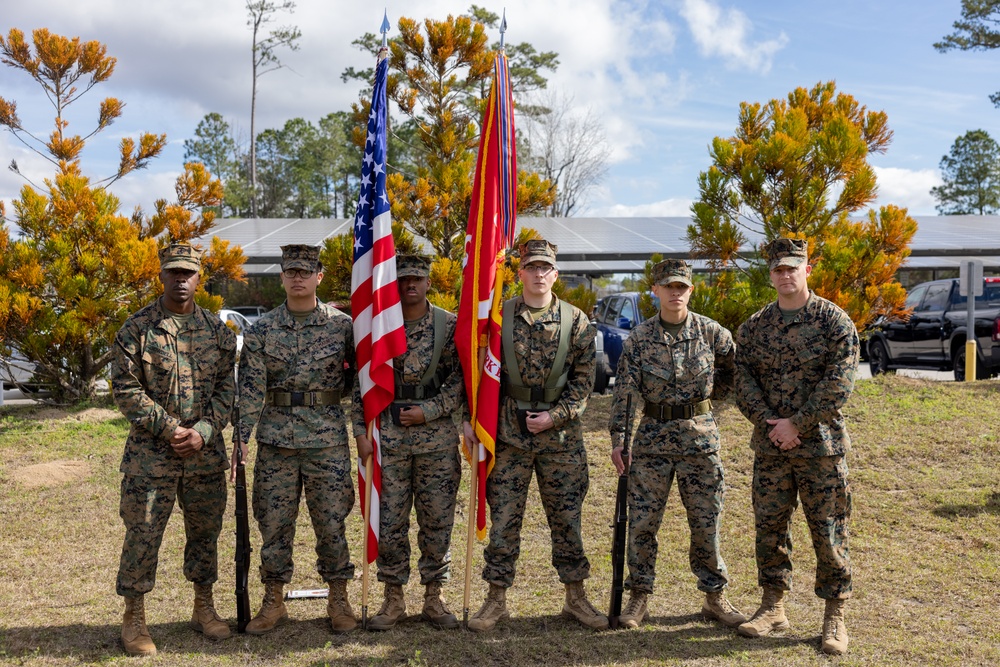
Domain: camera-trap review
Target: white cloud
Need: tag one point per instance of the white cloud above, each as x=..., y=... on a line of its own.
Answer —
x=907, y=188
x=668, y=208
x=726, y=33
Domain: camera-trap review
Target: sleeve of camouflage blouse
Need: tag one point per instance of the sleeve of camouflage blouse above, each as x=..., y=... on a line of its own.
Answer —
x=452, y=393
x=835, y=387
x=627, y=379
x=725, y=364
x=357, y=407
x=253, y=381
x=220, y=405
x=748, y=393
x=583, y=357
x=138, y=406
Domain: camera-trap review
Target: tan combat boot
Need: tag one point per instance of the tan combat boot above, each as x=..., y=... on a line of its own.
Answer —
x=339, y=609
x=272, y=610
x=393, y=609
x=635, y=611
x=435, y=610
x=494, y=609
x=717, y=608
x=834, y=630
x=769, y=617
x=578, y=606
x=135, y=636
x=204, y=618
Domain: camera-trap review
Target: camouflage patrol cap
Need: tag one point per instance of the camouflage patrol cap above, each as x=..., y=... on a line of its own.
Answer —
x=672, y=271
x=412, y=265
x=538, y=250
x=786, y=252
x=299, y=256
x=180, y=256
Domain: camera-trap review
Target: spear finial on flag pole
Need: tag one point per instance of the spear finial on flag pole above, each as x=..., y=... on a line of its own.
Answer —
x=384, y=29
x=503, y=27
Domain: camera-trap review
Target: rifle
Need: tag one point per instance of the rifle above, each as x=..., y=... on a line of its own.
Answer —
x=243, y=548
x=619, y=526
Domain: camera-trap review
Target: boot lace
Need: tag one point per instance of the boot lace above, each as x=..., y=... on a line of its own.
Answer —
x=634, y=605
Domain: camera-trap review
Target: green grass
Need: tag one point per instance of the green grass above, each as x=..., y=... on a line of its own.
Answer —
x=925, y=542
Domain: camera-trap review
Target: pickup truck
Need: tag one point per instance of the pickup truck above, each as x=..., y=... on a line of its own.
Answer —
x=934, y=335
x=615, y=316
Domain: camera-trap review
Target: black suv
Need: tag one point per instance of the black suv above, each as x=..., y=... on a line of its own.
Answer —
x=934, y=335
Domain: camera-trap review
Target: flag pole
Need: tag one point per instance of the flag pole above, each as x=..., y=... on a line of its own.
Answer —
x=369, y=473
x=473, y=449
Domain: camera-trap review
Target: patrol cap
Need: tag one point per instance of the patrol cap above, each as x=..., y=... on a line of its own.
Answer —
x=672, y=271
x=538, y=250
x=786, y=252
x=413, y=265
x=299, y=256
x=180, y=256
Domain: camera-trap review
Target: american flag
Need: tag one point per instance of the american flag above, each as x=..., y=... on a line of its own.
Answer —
x=492, y=218
x=378, y=319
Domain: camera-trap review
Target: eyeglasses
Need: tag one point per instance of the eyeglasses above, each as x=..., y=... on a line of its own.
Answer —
x=297, y=273
x=539, y=269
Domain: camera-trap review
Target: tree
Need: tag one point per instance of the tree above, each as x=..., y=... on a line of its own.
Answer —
x=80, y=268
x=799, y=168
x=220, y=149
x=265, y=59
x=569, y=150
x=439, y=77
x=977, y=31
x=971, y=173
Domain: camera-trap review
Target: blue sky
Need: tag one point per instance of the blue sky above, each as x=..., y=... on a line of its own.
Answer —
x=664, y=78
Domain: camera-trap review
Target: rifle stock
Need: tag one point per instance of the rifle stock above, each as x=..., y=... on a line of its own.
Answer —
x=243, y=548
x=619, y=526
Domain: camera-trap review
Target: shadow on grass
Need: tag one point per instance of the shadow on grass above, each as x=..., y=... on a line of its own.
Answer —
x=540, y=640
x=952, y=511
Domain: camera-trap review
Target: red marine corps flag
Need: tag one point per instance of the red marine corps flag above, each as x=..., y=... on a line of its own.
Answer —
x=489, y=234
x=379, y=335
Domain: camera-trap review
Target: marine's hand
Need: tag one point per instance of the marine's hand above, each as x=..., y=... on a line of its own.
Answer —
x=616, y=458
x=784, y=434
x=236, y=459
x=412, y=415
x=364, y=446
x=186, y=442
x=539, y=421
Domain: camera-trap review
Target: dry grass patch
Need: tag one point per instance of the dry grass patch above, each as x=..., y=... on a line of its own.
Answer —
x=925, y=541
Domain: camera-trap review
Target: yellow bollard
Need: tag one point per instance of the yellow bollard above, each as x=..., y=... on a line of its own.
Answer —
x=970, y=360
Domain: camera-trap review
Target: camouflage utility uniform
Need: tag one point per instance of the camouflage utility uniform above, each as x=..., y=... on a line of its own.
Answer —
x=804, y=371
x=303, y=447
x=163, y=376
x=678, y=371
x=421, y=465
x=557, y=456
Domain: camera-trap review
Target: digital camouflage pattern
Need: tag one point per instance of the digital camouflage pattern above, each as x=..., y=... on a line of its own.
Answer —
x=163, y=377
x=280, y=354
x=821, y=483
x=672, y=271
x=421, y=466
x=145, y=507
x=698, y=364
x=803, y=371
x=303, y=449
x=535, y=345
x=281, y=477
x=654, y=366
x=557, y=456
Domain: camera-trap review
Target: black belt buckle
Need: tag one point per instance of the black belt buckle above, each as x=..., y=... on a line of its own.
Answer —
x=522, y=421
x=395, y=409
x=297, y=399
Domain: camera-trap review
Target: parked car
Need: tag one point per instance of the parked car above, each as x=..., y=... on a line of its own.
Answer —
x=252, y=313
x=934, y=335
x=602, y=378
x=16, y=372
x=615, y=316
x=237, y=322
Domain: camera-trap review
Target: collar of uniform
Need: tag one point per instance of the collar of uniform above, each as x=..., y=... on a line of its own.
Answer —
x=168, y=325
x=318, y=316
x=521, y=310
x=804, y=314
x=686, y=332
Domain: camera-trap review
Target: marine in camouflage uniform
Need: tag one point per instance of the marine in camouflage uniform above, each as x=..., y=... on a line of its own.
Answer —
x=552, y=447
x=172, y=378
x=291, y=378
x=674, y=365
x=421, y=465
x=795, y=368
